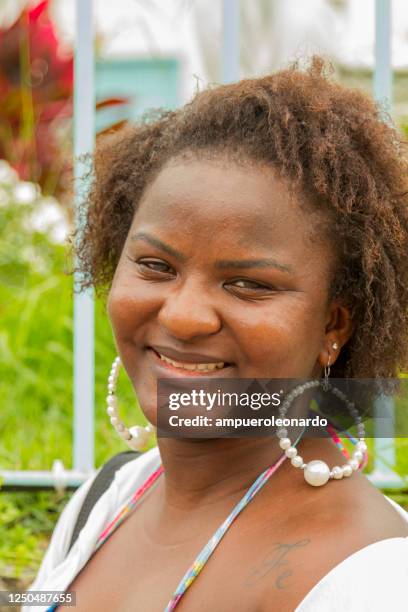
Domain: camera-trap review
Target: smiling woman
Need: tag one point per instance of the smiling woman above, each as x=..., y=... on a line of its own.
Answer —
x=261, y=231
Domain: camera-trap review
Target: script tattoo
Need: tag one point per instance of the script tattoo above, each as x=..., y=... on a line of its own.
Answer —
x=275, y=560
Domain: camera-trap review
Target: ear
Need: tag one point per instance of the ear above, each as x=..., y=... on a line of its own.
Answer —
x=339, y=329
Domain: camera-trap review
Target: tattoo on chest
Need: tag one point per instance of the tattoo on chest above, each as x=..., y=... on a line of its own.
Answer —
x=276, y=560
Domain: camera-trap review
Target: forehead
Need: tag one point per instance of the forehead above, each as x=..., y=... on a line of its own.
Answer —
x=214, y=196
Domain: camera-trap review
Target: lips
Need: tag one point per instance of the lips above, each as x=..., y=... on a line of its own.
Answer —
x=189, y=362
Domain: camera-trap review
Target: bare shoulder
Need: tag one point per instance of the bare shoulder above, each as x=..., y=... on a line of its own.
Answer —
x=375, y=515
x=327, y=526
x=348, y=516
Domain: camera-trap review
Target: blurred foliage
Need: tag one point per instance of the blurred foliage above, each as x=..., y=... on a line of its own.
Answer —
x=27, y=519
x=36, y=80
x=36, y=365
x=36, y=88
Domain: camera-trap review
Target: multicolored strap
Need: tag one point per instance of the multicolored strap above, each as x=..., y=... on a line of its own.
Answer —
x=119, y=518
x=211, y=545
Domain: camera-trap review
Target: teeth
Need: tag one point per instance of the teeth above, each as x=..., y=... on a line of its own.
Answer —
x=193, y=366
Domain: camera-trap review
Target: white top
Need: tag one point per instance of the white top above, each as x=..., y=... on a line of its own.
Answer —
x=372, y=579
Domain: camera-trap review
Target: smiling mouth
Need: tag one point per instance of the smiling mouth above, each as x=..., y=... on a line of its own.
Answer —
x=203, y=367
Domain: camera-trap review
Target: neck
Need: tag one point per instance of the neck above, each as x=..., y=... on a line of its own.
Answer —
x=209, y=471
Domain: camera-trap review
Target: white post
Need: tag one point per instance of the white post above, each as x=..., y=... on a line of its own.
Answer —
x=384, y=447
x=84, y=110
x=230, y=41
x=383, y=63
x=83, y=455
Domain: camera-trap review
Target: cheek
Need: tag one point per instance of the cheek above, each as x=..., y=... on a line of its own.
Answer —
x=128, y=308
x=286, y=334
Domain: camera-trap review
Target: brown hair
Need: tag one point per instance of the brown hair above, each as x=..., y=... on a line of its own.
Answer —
x=330, y=141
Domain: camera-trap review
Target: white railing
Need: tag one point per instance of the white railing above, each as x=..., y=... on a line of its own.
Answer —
x=84, y=135
x=384, y=448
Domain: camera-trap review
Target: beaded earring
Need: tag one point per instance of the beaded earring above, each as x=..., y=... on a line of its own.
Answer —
x=317, y=472
x=136, y=437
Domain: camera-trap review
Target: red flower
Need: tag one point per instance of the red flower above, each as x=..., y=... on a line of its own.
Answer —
x=36, y=87
x=36, y=91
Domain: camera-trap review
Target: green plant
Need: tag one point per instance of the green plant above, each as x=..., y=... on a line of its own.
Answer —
x=36, y=369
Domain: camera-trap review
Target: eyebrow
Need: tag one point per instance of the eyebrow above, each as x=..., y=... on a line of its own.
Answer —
x=159, y=244
x=220, y=264
x=253, y=263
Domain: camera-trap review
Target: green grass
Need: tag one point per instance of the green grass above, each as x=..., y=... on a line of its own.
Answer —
x=36, y=377
x=27, y=521
x=36, y=389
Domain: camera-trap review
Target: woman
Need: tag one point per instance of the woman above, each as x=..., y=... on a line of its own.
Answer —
x=261, y=230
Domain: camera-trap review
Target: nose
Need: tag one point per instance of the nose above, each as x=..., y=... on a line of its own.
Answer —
x=189, y=313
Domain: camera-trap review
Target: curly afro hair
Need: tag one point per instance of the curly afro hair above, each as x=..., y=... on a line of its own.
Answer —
x=330, y=141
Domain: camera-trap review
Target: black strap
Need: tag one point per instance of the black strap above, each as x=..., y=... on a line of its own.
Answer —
x=102, y=481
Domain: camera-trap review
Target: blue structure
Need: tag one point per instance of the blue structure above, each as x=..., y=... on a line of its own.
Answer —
x=146, y=83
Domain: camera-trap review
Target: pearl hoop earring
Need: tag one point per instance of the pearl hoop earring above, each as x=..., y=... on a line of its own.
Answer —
x=136, y=437
x=317, y=472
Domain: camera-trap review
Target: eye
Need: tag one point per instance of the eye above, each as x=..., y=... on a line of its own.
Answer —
x=247, y=284
x=249, y=288
x=153, y=267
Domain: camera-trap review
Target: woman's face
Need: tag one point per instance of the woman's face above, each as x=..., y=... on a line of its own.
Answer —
x=219, y=268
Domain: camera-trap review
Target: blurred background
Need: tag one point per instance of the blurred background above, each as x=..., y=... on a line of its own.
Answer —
x=147, y=54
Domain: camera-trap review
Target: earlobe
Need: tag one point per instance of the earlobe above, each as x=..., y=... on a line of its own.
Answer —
x=339, y=329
